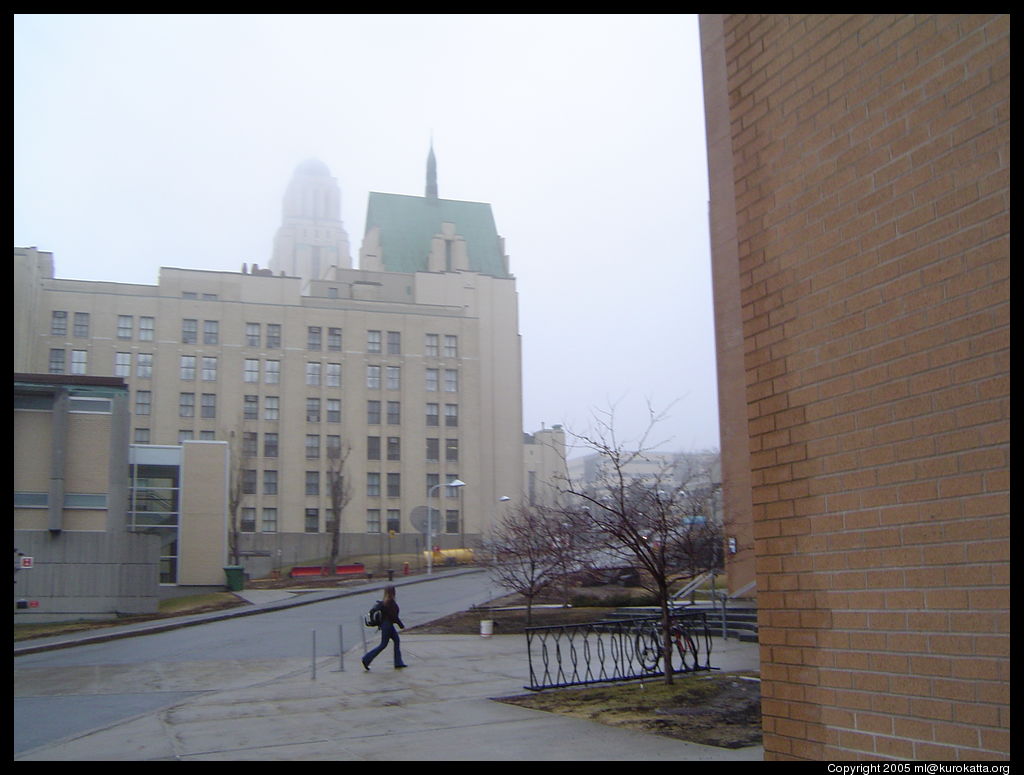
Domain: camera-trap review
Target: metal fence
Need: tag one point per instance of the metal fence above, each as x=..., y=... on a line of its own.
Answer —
x=615, y=650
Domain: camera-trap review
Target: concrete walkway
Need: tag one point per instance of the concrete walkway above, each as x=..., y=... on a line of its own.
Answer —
x=438, y=709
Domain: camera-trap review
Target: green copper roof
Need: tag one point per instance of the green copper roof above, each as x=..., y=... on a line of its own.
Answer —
x=409, y=223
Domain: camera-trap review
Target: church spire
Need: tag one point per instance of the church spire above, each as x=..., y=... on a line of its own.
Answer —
x=431, y=173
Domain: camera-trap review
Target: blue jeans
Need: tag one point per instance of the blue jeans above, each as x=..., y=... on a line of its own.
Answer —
x=387, y=632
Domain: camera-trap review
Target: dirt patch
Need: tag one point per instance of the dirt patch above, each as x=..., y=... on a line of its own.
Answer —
x=722, y=710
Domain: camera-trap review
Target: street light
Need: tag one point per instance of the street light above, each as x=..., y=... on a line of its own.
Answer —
x=430, y=520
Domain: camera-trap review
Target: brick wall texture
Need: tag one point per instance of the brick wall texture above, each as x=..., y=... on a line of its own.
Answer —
x=870, y=164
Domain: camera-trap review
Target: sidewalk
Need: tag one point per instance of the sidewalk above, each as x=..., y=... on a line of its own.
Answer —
x=438, y=709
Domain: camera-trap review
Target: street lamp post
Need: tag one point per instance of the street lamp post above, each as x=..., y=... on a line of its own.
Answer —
x=430, y=520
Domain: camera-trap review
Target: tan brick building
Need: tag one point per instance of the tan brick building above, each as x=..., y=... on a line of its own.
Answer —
x=413, y=367
x=860, y=215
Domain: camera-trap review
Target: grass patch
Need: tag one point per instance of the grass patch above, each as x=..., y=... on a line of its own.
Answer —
x=721, y=710
x=178, y=606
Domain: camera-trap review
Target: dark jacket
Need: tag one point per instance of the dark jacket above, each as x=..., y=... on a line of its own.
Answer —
x=389, y=612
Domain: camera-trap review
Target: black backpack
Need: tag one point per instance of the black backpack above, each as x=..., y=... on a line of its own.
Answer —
x=374, y=616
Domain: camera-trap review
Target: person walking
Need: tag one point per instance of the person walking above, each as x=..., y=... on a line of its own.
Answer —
x=389, y=618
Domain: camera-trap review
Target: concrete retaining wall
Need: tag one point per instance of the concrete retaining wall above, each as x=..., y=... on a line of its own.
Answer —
x=79, y=575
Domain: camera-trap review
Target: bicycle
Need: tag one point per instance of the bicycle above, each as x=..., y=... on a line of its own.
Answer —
x=649, y=646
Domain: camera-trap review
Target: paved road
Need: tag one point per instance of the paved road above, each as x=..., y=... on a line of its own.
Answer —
x=68, y=691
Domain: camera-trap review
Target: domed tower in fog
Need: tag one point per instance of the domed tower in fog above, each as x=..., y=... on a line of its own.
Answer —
x=312, y=239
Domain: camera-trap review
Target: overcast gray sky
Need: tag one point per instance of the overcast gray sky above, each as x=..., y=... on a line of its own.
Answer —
x=143, y=141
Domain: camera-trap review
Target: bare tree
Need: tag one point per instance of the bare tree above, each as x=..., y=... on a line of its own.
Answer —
x=529, y=550
x=240, y=461
x=650, y=520
x=340, y=493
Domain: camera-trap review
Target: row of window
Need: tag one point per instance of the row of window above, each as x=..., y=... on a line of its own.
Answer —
x=206, y=368
x=268, y=520
x=316, y=485
x=266, y=335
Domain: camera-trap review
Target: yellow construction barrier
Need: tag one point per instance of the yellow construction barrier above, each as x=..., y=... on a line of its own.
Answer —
x=450, y=556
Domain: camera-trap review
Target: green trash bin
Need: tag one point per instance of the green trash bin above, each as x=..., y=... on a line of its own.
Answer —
x=236, y=577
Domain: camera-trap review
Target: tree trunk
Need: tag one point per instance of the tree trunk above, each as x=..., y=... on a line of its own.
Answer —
x=666, y=631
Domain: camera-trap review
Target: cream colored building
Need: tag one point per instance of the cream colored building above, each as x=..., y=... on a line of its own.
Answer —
x=412, y=367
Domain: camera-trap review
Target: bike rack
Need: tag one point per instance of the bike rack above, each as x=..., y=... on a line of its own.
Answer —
x=614, y=650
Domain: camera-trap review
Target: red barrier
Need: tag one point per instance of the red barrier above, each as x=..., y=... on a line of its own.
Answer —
x=320, y=570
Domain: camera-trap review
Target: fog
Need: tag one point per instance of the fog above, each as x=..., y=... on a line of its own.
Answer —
x=143, y=141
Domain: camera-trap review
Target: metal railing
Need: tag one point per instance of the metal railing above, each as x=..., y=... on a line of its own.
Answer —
x=615, y=650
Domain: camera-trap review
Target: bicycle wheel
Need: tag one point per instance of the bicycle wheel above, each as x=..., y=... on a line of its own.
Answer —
x=648, y=649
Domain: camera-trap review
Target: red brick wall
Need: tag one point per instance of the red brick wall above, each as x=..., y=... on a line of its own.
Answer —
x=869, y=170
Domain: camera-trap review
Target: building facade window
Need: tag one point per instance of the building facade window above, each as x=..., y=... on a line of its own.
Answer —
x=373, y=520
x=82, y=325
x=431, y=346
x=451, y=346
x=334, y=339
x=451, y=450
x=147, y=328
x=248, y=521
x=314, y=336
x=270, y=445
x=270, y=482
x=373, y=412
x=211, y=332
x=394, y=485
x=432, y=376
x=451, y=415
x=312, y=482
x=272, y=372
x=432, y=415
x=373, y=447
x=333, y=410
x=273, y=336
x=250, y=444
x=122, y=364
x=143, y=403
x=312, y=447
x=57, y=361
x=313, y=370
x=144, y=365
x=373, y=377
x=312, y=410
x=209, y=372
x=59, y=323
x=394, y=521
x=333, y=375
x=451, y=380
x=251, y=408
x=125, y=326
x=187, y=368
x=394, y=448
x=394, y=412
x=208, y=406
x=394, y=378
x=79, y=362
x=373, y=341
x=189, y=331
x=373, y=485
x=252, y=335
x=312, y=524
x=433, y=450
x=451, y=521
x=252, y=370
x=269, y=524
x=394, y=343
x=271, y=407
